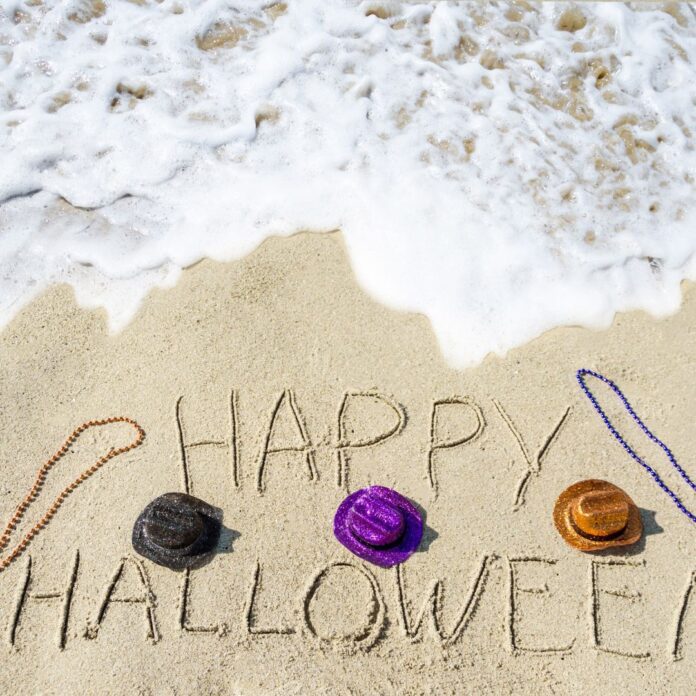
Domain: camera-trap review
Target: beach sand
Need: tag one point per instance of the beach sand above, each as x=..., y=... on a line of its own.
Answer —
x=258, y=384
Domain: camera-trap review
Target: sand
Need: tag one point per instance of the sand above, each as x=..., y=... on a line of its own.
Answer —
x=257, y=382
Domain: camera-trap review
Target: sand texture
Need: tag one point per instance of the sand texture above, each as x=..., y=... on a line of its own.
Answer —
x=271, y=386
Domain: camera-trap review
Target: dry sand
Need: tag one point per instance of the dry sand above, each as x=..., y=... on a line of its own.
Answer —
x=493, y=601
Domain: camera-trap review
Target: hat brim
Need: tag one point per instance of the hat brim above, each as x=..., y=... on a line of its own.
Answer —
x=562, y=517
x=386, y=556
x=179, y=559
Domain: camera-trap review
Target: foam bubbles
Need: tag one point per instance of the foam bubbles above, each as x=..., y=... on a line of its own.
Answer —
x=503, y=168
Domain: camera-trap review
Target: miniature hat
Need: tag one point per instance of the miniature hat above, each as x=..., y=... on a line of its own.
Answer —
x=177, y=531
x=592, y=515
x=378, y=525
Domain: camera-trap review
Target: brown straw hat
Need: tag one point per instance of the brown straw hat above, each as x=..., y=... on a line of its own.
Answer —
x=592, y=515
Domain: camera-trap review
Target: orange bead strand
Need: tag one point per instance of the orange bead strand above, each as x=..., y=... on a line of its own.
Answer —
x=41, y=475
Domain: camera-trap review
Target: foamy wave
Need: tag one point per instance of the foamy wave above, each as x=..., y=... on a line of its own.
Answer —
x=502, y=168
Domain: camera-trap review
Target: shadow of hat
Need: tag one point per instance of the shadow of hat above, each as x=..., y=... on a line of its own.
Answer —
x=593, y=515
x=177, y=530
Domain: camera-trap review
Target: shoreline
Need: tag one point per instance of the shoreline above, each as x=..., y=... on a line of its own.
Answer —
x=259, y=383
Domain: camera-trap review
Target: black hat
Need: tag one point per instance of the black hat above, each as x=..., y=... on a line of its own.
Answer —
x=177, y=531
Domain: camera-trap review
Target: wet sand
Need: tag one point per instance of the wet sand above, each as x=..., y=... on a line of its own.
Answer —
x=270, y=387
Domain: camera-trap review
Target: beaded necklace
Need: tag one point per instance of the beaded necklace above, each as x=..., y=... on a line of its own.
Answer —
x=60, y=499
x=631, y=452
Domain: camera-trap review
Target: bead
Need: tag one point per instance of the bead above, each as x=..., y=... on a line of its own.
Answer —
x=40, y=480
x=644, y=428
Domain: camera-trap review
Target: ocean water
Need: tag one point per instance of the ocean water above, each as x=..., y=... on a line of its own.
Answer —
x=503, y=168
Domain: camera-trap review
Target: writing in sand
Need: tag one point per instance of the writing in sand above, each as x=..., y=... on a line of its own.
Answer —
x=314, y=609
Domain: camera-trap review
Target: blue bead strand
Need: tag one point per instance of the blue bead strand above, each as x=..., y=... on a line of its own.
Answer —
x=656, y=477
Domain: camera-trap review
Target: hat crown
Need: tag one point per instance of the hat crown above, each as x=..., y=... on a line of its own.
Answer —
x=375, y=521
x=602, y=513
x=172, y=527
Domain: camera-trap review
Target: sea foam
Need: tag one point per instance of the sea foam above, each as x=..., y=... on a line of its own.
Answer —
x=503, y=168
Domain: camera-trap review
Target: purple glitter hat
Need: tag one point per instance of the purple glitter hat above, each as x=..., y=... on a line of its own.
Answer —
x=378, y=525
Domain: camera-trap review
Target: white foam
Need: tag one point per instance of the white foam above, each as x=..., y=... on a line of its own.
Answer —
x=499, y=168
